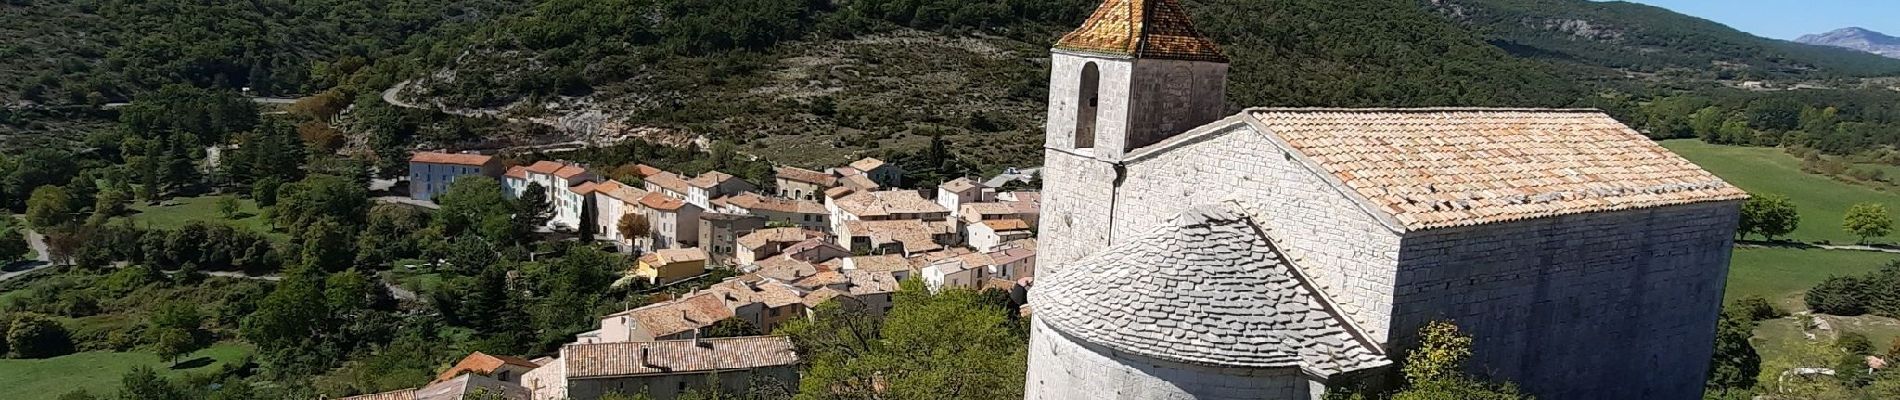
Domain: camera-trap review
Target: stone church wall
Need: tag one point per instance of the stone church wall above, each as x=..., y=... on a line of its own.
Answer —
x=1614, y=305
x=1342, y=247
x=1062, y=368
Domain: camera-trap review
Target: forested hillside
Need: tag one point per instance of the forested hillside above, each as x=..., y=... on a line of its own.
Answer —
x=1645, y=38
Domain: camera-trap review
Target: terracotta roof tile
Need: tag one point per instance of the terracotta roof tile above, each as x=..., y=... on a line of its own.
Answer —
x=797, y=174
x=661, y=202
x=762, y=237
x=867, y=164
x=473, y=160
x=619, y=191
x=600, y=360
x=1158, y=29
x=570, y=171
x=482, y=363
x=668, y=181
x=888, y=203
x=585, y=188
x=680, y=315
x=859, y=182
x=398, y=394
x=646, y=170
x=960, y=185
x=886, y=263
x=838, y=192
x=763, y=287
x=669, y=256
x=517, y=172
x=1001, y=225
x=753, y=201
x=710, y=179
x=1434, y=168
x=545, y=167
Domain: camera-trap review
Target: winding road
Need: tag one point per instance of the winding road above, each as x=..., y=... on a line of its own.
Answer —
x=44, y=259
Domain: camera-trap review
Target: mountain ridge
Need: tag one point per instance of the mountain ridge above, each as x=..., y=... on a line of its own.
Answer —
x=1856, y=38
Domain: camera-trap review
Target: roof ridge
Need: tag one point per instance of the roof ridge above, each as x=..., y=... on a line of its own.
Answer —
x=1422, y=109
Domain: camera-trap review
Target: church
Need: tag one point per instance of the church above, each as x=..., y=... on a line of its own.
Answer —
x=1192, y=252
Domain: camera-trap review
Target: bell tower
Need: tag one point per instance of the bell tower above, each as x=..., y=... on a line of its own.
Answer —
x=1136, y=73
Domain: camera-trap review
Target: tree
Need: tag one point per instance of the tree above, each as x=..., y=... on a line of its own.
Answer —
x=36, y=336
x=1770, y=215
x=142, y=383
x=264, y=191
x=108, y=204
x=532, y=209
x=176, y=329
x=951, y=344
x=320, y=197
x=1867, y=220
x=13, y=246
x=1433, y=370
x=475, y=204
x=1736, y=363
x=49, y=207
x=228, y=206
x=634, y=225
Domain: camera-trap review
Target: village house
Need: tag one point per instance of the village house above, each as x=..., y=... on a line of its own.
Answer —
x=430, y=173
x=966, y=271
x=674, y=223
x=461, y=387
x=763, y=302
x=665, y=266
x=719, y=233
x=663, y=370
x=954, y=194
x=701, y=190
x=883, y=173
x=680, y=318
x=770, y=241
x=803, y=213
x=907, y=236
x=814, y=250
x=802, y=184
x=883, y=206
x=568, y=187
x=1014, y=260
x=501, y=368
x=859, y=288
x=668, y=183
x=988, y=235
x=614, y=201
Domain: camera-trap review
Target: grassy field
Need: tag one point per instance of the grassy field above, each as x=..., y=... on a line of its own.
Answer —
x=98, y=372
x=1783, y=274
x=1821, y=201
x=177, y=212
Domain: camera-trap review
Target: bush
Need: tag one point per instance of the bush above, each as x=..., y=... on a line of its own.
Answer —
x=36, y=336
x=1752, y=308
x=1840, y=295
x=1854, y=343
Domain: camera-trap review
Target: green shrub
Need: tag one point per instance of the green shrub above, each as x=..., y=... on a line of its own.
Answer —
x=1752, y=308
x=1839, y=295
x=36, y=336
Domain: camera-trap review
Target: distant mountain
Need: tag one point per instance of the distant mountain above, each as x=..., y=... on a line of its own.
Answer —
x=1857, y=39
x=1641, y=38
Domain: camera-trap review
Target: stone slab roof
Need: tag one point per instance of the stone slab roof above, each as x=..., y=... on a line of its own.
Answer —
x=753, y=202
x=472, y=160
x=1443, y=167
x=1206, y=288
x=601, y=360
x=1158, y=29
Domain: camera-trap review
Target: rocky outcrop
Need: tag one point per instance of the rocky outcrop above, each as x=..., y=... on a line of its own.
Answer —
x=1857, y=39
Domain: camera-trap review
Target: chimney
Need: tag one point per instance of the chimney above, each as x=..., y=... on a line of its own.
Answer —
x=700, y=343
x=645, y=361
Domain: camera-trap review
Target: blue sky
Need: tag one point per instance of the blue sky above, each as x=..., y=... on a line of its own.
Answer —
x=1787, y=19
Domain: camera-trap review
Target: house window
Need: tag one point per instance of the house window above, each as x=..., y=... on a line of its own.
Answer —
x=775, y=312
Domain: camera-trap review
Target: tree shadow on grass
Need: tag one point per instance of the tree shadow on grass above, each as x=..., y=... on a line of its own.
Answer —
x=193, y=363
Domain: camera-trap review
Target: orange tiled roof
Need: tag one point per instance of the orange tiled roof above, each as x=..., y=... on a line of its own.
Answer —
x=473, y=160
x=710, y=179
x=517, y=172
x=1000, y=225
x=599, y=360
x=1158, y=29
x=867, y=164
x=669, y=256
x=661, y=202
x=570, y=171
x=1444, y=167
x=482, y=363
x=585, y=188
x=646, y=170
x=752, y=202
x=544, y=167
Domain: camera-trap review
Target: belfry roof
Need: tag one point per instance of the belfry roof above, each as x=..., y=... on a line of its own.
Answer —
x=1206, y=288
x=1157, y=29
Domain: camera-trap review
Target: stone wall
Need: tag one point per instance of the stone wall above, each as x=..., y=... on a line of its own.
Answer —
x=1340, y=245
x=1076, y=191
x=1615, y=305
x=1061, y=368
x=667, y=387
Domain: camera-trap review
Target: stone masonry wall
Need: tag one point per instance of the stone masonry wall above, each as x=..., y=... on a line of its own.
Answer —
x=1342, y=247
x=1615, y=305
x=1061, y=368
x=1075, y=198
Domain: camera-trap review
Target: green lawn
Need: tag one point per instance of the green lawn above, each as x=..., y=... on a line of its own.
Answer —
x=1821, y=201
x=97, y=372
x=182, y=210
x=1783, y=274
